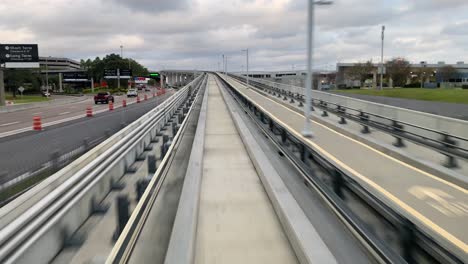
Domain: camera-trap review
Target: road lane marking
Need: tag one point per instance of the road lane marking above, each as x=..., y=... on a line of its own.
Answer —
x=8, y=124
x=375, y=150
x=426, y=221
x=64, y=113
x=37, y=113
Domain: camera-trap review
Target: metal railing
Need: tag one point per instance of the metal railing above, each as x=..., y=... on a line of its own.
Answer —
x=451, y=145
x=40, y=232
x=124, y=246
x=339, y=187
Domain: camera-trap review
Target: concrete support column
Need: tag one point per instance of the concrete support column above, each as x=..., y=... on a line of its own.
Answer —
x=60, y=82
x=161, y=80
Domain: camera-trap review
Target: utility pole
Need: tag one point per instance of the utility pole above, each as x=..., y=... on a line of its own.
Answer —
x=247, y=64
x=47, y=76
x=381, y=60
x=307, y=132
x=2, y=88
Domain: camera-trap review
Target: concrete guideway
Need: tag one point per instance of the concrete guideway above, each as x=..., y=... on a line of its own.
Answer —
x=438, y=206
x=236, y=220
x=21, y=121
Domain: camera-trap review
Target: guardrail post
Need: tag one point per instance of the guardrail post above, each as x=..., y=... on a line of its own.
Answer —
x=407, y=240
x=325, y=113
x=292, y=100
x=86, y=144
x=54, y=158
x=449, y=143
x=302, y=152
x=365, y=118
x=152, y=166
x=174, y=129
x=122, y=214
x=341, y=111
x=97, y=208
x=271, y=125
x=284, y=136
x=338, y=183
x=141, y=187
x=397, y=128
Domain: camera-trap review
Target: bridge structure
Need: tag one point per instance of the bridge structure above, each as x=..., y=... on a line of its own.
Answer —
x=219, y=172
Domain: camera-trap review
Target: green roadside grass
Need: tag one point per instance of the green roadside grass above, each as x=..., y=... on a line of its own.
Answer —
x=440, y=95
x=26, y=98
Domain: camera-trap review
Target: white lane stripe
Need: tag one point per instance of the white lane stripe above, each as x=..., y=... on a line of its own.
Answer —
x=7, y=124
x=37, y=113
x=64, y=113
x=21, y=130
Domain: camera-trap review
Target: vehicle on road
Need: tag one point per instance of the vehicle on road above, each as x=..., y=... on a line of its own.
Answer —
x=104, y=97
x=147, y=89
x=132, y=93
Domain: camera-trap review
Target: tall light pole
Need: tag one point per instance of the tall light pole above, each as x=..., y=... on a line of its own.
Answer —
x=247, y=64
x=307, y=132
x=381, y=60
x=47, y=75
x=224, y=65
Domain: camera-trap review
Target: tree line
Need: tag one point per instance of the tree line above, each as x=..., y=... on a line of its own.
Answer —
x=95, y=68
x=32, y=79
x=399, y=70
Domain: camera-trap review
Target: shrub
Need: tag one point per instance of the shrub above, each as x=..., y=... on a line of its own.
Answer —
x=465, y=86
x=413, y=85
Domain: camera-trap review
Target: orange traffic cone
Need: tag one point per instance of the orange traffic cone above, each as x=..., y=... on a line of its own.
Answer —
x=37, y=123
x=89, y=111
x=111, y=106
x=124, y=103
x=138, y=99
x=146, y=97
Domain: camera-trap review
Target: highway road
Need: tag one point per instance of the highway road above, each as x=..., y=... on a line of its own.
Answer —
x=31, y=149
x=437, y=206
x=19, y=121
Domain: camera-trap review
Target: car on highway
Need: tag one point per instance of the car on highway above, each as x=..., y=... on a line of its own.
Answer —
x=147, y=89
x=132, y=93
x=104, y=97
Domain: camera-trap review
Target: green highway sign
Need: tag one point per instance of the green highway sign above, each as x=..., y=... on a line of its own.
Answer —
x=154, y=74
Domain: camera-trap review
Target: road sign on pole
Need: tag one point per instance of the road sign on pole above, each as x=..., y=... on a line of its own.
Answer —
x=19, y=55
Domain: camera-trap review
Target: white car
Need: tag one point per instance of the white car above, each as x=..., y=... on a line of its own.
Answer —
x=132, y=92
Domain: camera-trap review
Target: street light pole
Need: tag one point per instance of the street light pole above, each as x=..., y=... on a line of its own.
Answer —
x=47, y=76
x=307, y=132
x=381, y=60
x=247, y=65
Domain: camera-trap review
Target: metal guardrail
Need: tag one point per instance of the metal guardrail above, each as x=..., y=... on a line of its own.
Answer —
x=452, y=146
x=124, y=246
x=41, y=231
x=411, y=240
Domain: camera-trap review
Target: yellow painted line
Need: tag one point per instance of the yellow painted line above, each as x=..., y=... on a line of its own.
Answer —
x=454, y=240
x=378, y=151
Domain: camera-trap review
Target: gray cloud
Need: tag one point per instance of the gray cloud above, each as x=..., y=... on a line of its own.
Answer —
x=194, y=34
x=152, y=6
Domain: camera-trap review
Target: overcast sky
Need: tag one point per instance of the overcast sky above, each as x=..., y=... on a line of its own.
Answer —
x=188, y=34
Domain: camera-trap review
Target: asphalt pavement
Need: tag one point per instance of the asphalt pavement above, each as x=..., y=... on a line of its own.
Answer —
x=18, y=121
x=459, y=111
x=31, y=149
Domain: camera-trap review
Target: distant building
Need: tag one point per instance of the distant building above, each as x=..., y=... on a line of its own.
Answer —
x=459, y=77
x=296, y=78
x=57, y=64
